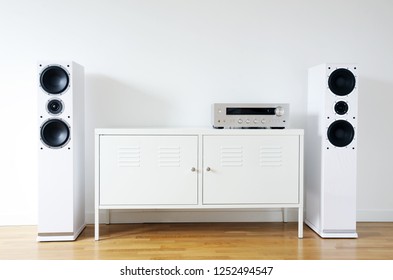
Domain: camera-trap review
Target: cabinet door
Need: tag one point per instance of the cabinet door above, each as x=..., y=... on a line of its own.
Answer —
x=148, y=170
x=250, y=169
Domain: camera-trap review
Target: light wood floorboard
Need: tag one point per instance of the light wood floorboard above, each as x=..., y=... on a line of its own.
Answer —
x=206, y=241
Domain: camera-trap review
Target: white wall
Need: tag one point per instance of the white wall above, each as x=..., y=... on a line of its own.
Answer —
x=163, y=62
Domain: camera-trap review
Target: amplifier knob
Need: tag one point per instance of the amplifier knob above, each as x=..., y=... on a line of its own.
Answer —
x=247, y=121
x=255, y=121
x=279, y=111
x=240, y=121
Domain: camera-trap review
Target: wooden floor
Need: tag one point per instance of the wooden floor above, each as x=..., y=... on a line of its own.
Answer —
x=207, y=241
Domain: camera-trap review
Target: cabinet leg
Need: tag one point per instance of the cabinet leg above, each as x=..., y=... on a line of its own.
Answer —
x=108, y=217
x=97, y=225
x=284, y=215
x=300, y=222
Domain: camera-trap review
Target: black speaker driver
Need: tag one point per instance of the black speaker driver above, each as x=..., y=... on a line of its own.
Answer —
x=55, y=133
x=54, y=79
x=340, y=133
x=341, y=107
x=55, y=106
x=342, y=81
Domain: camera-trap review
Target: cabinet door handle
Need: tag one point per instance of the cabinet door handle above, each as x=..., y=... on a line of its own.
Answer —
x=208, y=169
x=193, y=169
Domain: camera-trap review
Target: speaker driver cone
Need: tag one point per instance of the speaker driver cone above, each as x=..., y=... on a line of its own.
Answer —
x=55, y=106
x=340, y=133
x=54, y=80
x=55, y=133
x=341, y=107
x=341, y=82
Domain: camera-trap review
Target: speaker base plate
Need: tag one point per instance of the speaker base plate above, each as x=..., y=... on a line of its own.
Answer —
x=335, y=234
x=60, y=236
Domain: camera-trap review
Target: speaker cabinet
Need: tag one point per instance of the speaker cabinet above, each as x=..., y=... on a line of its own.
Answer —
x=61, y=192
x=331, y=148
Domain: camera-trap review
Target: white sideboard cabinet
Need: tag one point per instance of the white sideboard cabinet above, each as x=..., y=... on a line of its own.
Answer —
x=198, y=169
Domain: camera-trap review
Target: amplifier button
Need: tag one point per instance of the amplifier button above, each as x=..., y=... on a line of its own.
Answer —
x=255, y=121
x=240, y=121
x=247, y=121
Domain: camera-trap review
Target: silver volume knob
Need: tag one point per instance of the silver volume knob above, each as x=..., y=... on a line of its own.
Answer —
x=279, y=111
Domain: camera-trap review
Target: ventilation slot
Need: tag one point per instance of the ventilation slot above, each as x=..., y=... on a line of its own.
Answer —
x=169, y=156
x=231, y=156
x=270, y=156
x=129, y=156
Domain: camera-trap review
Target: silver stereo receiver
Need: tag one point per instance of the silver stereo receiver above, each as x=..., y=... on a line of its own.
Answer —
x=250, y=115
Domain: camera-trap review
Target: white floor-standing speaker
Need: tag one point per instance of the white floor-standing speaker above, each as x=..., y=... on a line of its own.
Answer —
x=330, y=148
x=61, y=164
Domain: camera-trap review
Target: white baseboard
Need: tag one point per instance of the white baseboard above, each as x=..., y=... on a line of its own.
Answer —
x=157, y=216
x=18, y=219
x=198, y=216
x=194, y=216
x=374, y=215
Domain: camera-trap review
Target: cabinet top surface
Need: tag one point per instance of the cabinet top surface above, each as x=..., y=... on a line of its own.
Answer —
x=196, y=131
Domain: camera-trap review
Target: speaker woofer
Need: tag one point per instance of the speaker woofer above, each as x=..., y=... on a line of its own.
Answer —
x=55, y=133
x=54, y=80
x=340, y=133
x=342, y=81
